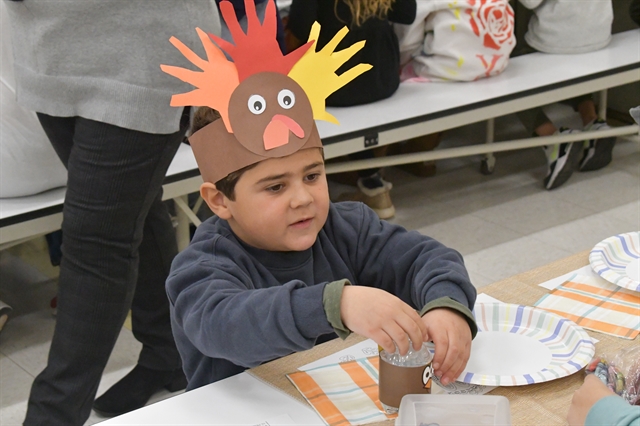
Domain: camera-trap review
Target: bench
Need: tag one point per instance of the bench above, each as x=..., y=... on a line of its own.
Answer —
x=416, y=109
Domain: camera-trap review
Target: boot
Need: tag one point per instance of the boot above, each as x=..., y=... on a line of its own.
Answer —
x=135, y=389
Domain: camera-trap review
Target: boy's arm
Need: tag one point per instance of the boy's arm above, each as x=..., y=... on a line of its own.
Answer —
x=424, y=274
x=418, y=269
x=221, y=313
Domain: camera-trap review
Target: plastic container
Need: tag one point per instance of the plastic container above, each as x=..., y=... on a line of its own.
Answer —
x=453, y=410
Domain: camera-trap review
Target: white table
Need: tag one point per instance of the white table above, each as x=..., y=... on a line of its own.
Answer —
x=238, y=400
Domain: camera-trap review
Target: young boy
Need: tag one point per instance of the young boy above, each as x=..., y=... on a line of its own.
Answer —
x=280, y=268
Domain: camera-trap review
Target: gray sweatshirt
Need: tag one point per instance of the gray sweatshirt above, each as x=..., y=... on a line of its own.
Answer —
x=234, y=306
x=569, y=26
x=100, y=59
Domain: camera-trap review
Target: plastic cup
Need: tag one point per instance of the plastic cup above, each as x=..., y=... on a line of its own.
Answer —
x=403, y=375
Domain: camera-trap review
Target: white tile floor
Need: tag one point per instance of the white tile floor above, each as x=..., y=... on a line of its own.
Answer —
x=503, y=224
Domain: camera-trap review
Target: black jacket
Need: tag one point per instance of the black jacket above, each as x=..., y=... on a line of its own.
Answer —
x=381, y=49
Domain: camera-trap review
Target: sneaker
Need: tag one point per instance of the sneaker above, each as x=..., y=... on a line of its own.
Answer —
x=597, y=152
x=562, y=160
x=377, y=198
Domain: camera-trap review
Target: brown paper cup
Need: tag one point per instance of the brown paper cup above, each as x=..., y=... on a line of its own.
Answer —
x=396, y=382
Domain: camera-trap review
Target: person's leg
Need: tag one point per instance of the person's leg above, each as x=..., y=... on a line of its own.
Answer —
x=159, y=362
x=373, y=190
x=536, y=122
x=150, y=319
x=561, y=158
x=115, y=175
x=597, y=153
x=586, y=107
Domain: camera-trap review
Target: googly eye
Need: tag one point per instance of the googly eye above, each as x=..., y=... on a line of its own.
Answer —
x=286, y=98
x=257, y=104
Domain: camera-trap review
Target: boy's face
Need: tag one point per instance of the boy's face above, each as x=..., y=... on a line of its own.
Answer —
x=282, y=203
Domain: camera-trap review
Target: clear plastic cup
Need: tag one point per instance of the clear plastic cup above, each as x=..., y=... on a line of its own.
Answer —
x=403, y=375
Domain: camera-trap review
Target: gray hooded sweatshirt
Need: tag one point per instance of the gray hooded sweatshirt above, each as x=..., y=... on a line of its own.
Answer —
x=235, y=307
x=569, y=26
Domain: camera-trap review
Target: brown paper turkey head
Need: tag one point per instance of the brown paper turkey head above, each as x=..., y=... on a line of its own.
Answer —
x=274, y=114
x=267, y=101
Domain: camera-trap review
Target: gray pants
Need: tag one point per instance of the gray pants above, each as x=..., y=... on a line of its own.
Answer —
x=118, y=244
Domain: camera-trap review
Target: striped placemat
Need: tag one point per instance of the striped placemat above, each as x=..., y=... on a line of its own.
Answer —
x=596, y=304
x=344, y=393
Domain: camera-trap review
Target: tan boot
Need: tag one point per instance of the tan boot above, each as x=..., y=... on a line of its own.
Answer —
x=378, y=199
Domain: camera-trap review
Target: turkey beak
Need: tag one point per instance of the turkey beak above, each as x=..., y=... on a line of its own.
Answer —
x=277, y=131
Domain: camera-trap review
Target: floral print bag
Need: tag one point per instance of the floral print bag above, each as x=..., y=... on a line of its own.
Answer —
x=457, y=40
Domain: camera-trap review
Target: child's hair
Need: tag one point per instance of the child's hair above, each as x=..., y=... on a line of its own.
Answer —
x=361, y=10
x=226, y=185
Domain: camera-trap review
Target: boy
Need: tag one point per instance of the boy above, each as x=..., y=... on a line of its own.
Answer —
x=280, y=268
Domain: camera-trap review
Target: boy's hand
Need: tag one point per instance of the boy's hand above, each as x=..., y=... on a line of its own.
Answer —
x=381, y=316
x=591, y=391
x=451, y=335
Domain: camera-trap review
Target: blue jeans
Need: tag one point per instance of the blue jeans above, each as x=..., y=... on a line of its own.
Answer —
x=116, y=254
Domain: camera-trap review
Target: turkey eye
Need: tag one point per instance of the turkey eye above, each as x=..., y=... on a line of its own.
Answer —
x=257, y=104
x=286, y=98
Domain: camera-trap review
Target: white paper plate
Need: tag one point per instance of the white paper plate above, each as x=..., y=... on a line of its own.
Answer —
x=617, y=260
x=520, y=345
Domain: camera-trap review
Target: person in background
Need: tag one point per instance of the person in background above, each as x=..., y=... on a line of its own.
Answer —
x=452, y=41
x=594, y=404
x=456, y=41
x=567, y=27
x=369, y=20
x=90, y=70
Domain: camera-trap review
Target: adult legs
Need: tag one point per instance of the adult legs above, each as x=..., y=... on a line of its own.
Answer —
x=115, y=180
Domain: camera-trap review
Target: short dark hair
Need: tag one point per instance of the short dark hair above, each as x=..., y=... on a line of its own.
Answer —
x=202, y=117
x=227, y=184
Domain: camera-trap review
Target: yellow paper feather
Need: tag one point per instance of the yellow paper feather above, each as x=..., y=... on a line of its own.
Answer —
x=315, y=72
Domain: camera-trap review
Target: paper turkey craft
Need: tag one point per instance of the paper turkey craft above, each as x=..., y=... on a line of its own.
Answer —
x=267, y=101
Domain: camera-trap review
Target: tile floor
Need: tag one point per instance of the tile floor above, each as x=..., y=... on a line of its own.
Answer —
x=503, y=224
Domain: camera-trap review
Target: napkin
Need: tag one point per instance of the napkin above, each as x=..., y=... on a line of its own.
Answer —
x=343, y=393
x=596, y=304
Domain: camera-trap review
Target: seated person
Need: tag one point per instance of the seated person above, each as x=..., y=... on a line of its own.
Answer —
x=369, y=20
x=595, y=404
x=569, y=27
x=280, y=268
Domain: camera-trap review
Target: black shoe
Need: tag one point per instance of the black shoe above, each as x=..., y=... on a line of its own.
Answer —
x=598, y=152
x=562, y=159
x=135, y=389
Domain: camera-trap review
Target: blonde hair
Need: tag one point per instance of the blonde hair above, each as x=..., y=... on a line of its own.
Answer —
x=361, y=10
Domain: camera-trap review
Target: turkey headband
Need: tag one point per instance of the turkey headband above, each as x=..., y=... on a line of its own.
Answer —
x=267, y=101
